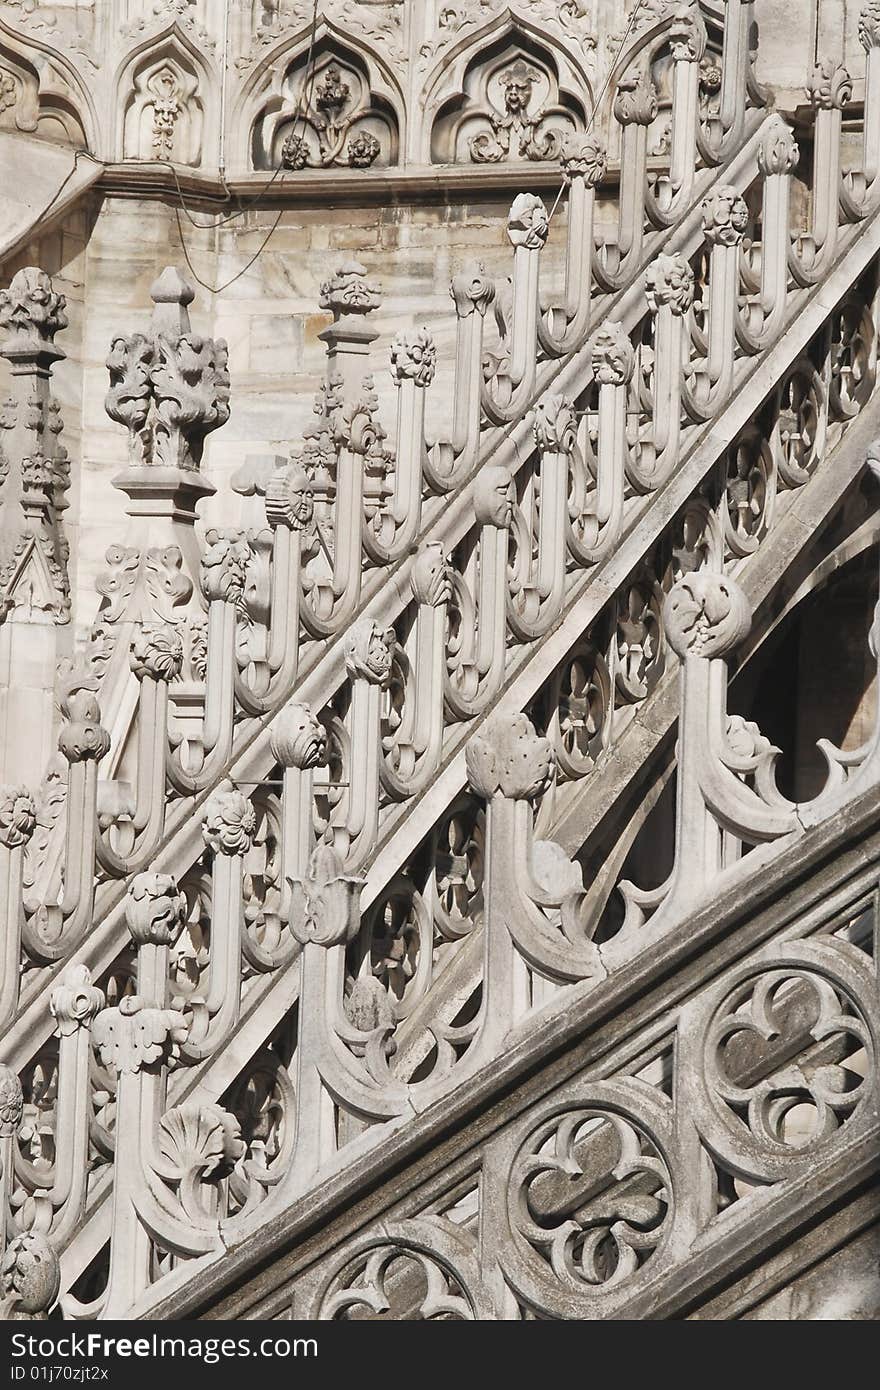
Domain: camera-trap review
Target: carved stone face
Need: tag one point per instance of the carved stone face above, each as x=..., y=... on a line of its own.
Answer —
x=517, y=94
x=493, y=499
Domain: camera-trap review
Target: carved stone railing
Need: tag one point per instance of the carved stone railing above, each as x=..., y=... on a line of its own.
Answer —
x=338, y=513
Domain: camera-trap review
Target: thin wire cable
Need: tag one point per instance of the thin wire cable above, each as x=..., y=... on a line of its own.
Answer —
x=305, y=98
x=224, y=218
x=602, y=90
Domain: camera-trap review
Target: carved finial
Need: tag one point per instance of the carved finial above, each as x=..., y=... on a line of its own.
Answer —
x=11, y=1102
x=472, y=290
x=369, y=649
x=76, y=1002
x=527, y=222
x=635, y=102
x=725, y=216
x=224, y=565
x=348, y=291
x=869, y=25
x=432, y=576
x=289, y=500
x=157, y=652
x=18, y=816
x=584, y=157
x=669, y=280
x=324, y=905
x=687, y=34
x=31, y=1276
x=509, y=758
x=778, y=152
x=168, y=386
x=135, y=1036
x=611, y=355
x=82, y=736
x=555, y=425
x=830, y=85
x=705, y=614
x=229, y=822
x=172, y=295
x=155, y=909
x=31, y=313
x=872, y=458
x=413, y=356
x=297, y=739
x=494, y=496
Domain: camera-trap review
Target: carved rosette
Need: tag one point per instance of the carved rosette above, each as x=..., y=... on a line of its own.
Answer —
x=11, y=1102
x=18, y=816
x=687, y=34
x=432, y=576
x=413, y=358
x=135, y=1036
x=635, y=101
x=224, y=565
x=369, y=652
x=611, y=355
x=669, y=280
x=289, y=500
x=869, y=25
x=494, y=496
x=229, y=822
x=325, y=904
x=155, y=909
x=527, y=222
x=348, y=291
x=297, y=739
x=584, y=157
x=778, y=152
x=555, y=425
x=706, y=615
x=31, y=1276
x=31, y=313
x=508, y=758
x=76, y=1002
x=83, y=738
x=725, y=216
x=472, y=291
x=157, y=652
x=830, y=86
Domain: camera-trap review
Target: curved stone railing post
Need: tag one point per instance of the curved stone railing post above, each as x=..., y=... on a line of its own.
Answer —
x=673, y=191
x=448, y=462
x=369, y=652
x=289, y=512
x=537, y=598
x=393, y=529
x=764, y=313
x=635, y=107
x=725, y=216
x=506, y=395
x=475, y=670
x=51, y=931
x=562, y=328
x=414, y=754
x=829, y=90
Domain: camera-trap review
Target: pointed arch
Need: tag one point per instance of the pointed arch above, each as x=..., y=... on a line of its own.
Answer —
x=166, y=101
x=43, y=94
x=374, y=109
x=469, y=80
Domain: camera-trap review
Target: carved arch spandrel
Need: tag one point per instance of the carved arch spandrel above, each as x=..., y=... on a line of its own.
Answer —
x=269, y=99
x=469, y=80
x=42, y=94
x=166, y=101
